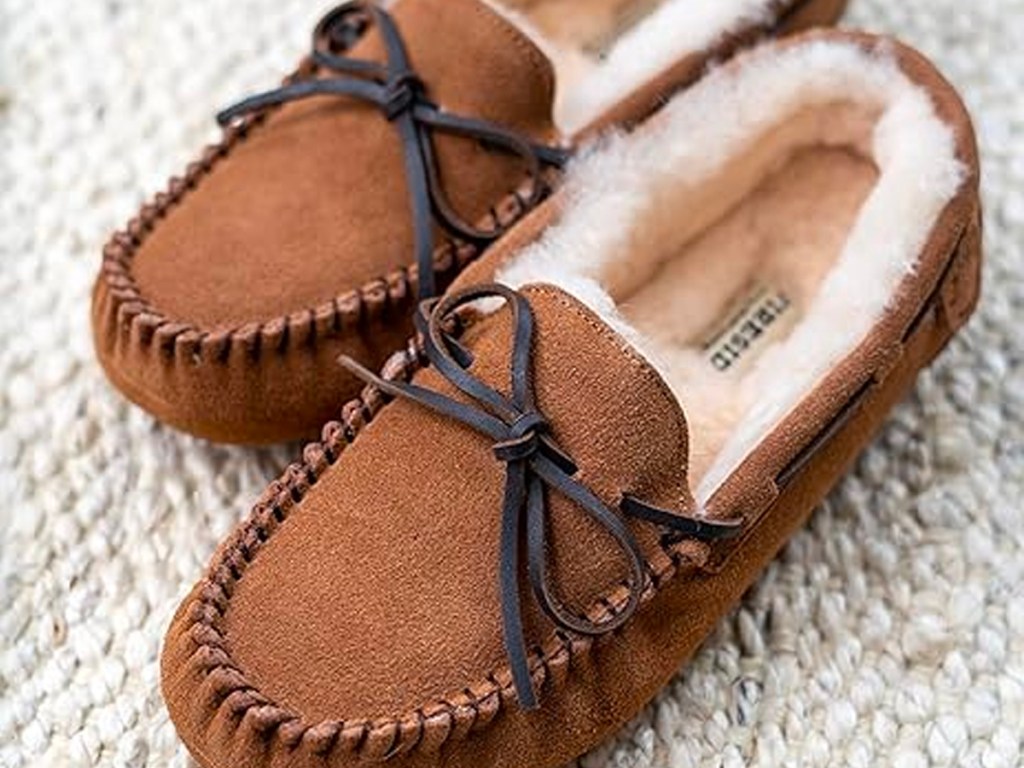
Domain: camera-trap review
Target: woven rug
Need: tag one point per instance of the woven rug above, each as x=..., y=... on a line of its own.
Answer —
x=889, y=632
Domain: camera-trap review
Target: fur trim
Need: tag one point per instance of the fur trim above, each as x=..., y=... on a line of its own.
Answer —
x=588, y=85
x=673, y=31
x=632, y=194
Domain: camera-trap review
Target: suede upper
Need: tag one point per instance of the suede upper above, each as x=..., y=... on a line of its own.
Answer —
x=419, y=495
x=222, y=306
x=313, y=202
x=383, y=577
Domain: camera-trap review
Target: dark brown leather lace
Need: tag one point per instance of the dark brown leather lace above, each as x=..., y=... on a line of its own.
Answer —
x=401, y=96
x=533, y=462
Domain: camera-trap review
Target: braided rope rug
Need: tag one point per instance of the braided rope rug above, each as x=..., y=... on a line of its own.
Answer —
x=889, y=632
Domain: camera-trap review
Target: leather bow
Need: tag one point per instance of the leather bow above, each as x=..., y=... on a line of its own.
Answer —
x=401, y=96
x=533, y=463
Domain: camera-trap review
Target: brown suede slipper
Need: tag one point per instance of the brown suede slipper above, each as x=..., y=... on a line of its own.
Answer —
x=222, y=306
x=777, y=254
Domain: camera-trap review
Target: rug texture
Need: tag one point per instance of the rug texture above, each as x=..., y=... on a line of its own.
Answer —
x=889, y=632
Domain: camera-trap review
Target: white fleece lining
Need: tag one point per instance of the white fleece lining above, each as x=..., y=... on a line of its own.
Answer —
x=674, y=29
x=624, y=202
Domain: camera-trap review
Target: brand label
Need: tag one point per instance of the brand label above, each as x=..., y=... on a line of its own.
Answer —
x=759, y=315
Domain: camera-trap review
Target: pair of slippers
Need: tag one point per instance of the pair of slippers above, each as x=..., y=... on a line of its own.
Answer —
x=605, y=340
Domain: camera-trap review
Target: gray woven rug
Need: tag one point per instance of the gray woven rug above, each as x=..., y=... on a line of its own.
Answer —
x=896, y=632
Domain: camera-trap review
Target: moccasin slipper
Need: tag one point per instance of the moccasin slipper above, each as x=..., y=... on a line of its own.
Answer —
x=515, y=536
x=405, y=143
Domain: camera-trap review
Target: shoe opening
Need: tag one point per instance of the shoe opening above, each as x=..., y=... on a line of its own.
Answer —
x=749, y=237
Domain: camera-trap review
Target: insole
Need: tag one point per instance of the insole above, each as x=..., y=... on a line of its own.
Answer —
x=590, y=27
x=713, y=309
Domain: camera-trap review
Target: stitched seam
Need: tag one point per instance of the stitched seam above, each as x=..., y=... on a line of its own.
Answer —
x=539, y=64
x=623, y=346
x=131, y=311
x=270, y=512
x=639, y=363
